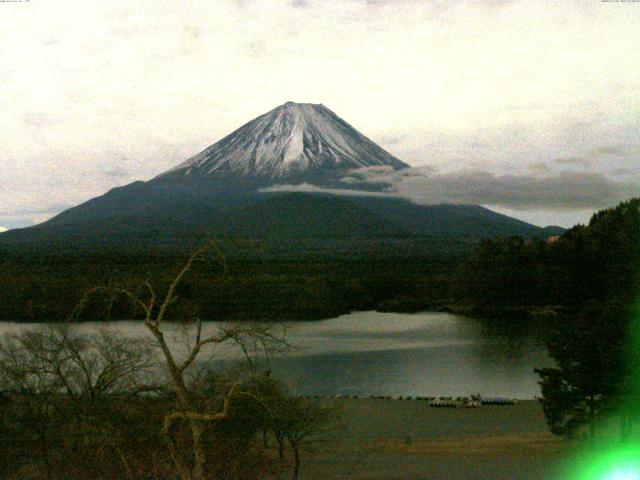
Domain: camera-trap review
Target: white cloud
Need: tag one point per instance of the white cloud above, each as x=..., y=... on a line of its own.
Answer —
x=309, y=188
x=3, y=229
x=563, y=191
x=567, y=198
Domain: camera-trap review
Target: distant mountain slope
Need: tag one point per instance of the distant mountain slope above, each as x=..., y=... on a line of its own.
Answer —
x=219, y=193
x=283, y=216
x=184, y=198
x=448, y=220
x=302, y=215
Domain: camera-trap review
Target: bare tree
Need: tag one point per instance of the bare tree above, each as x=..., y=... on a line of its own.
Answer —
x=306, y=421
x=28, y=395
x=64, y=388
x=191, y=411
x=297, y=420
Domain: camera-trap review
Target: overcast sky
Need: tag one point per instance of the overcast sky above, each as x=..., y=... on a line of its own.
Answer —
x=530, y=107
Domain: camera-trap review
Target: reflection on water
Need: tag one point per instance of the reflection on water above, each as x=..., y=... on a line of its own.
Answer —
x=429, y=354
x=371, y=353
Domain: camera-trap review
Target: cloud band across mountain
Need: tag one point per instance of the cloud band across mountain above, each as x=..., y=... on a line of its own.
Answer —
x=565, y=191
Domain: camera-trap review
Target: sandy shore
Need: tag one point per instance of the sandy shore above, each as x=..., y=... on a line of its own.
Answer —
x=407, y=439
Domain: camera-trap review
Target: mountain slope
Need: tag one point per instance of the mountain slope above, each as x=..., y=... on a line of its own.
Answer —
x=219, y=193
x=296, y=215
x=279, y=217
x=448, y=220
x=292, y=139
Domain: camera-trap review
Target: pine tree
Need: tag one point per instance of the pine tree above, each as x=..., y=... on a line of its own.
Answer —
x=592, y=361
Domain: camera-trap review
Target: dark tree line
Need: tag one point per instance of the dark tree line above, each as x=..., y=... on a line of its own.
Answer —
x=41, y=288
x=587, y=282
x=593, y=263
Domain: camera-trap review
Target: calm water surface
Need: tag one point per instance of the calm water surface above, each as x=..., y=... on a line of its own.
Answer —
x=372, y=353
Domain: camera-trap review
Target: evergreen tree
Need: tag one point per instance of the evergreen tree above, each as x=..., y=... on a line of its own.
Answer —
x=591, y=372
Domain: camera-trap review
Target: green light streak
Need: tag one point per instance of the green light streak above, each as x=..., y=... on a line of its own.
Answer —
x=621, y=463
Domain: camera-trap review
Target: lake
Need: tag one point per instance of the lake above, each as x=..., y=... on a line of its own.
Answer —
x=373, y=353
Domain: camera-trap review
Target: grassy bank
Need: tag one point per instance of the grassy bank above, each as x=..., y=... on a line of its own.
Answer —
x=404, y=439
x=375, y=439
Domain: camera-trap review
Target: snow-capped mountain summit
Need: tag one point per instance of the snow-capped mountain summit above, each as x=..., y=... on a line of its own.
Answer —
x=291, y=140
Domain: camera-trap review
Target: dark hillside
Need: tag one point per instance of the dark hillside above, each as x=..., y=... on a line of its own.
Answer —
x=594, y=263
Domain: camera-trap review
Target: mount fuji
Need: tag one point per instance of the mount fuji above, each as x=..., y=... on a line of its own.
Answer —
x=221, y=192
x=293, y=140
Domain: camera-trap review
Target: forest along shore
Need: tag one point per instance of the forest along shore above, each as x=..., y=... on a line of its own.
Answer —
x=400, y=439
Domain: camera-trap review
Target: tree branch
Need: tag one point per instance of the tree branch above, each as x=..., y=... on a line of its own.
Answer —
x=170, y=297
